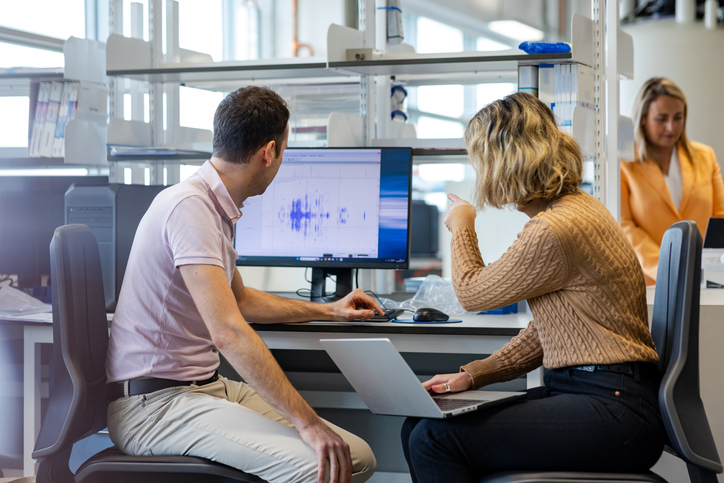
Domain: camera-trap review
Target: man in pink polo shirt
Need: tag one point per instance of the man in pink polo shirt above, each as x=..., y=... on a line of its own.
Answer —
x=183, y=301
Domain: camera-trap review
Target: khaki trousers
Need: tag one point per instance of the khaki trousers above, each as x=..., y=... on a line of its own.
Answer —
x=227, y=422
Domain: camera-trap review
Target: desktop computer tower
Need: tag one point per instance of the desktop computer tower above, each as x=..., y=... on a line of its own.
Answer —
x=112, y=213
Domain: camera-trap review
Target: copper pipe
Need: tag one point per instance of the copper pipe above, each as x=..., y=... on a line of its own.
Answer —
x=296, y=46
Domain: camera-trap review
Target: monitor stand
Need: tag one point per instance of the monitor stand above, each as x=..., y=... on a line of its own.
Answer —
x=319, y=278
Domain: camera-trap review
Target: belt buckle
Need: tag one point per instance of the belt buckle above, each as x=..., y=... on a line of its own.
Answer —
x=587, y=368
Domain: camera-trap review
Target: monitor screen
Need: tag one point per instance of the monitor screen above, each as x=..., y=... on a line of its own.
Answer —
x=332, y=209
x=31, y=208
x=714, y=237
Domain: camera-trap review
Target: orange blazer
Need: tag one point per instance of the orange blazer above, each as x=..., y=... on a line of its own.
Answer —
x=647, y=209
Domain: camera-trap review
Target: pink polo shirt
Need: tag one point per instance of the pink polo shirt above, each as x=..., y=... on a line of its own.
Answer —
x=157, y=330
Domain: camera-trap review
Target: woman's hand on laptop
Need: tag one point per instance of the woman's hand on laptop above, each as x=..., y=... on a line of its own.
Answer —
x=442, y=383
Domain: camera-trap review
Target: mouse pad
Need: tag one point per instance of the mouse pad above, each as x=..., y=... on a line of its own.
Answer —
x=410, y=321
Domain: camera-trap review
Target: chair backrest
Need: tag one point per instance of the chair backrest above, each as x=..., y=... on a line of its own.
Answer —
x=77, y=404
x=675, y=330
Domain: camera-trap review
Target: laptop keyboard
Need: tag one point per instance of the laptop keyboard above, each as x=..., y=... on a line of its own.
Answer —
x=447, y=404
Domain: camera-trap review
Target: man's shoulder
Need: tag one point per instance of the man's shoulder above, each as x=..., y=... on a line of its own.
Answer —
x=187, y=193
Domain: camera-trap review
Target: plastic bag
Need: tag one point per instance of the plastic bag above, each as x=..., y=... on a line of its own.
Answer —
x=435, y=292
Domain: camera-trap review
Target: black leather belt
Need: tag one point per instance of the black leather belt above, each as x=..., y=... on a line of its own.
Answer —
x=623, y=368
x=145, y=386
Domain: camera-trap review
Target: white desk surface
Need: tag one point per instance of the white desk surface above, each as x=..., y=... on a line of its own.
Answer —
x=476, y=334
x=489, y=331
x=709, y=296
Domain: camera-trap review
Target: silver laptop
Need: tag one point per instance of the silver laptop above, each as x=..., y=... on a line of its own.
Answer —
x=387, y=385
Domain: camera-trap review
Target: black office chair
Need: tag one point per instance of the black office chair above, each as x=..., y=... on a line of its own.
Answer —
x=77, y=405
x=675, y=330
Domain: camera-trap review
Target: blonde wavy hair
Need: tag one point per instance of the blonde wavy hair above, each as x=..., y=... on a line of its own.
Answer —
x=649, y=92
x=519, y=154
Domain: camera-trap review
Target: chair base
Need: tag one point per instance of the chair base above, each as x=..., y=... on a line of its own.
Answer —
x=112, y=466
x=571, y=477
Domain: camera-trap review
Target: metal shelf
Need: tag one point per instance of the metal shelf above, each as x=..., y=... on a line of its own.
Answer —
x=464, y=63
x=18, y=84
x=20, y=163
x=219, y=72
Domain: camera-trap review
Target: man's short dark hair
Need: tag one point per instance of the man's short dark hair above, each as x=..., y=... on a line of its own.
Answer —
x=246, y=120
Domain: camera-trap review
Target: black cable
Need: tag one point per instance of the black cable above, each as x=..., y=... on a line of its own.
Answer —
x=12, y=283
x=309, y=293
x=379, y=301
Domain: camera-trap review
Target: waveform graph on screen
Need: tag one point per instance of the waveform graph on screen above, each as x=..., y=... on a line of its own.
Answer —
x=321, y=215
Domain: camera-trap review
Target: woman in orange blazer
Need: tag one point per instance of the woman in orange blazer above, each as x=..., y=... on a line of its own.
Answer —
x=671, y=179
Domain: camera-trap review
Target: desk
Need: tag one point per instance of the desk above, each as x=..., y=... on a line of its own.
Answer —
x=476, y=334
x=34, y=332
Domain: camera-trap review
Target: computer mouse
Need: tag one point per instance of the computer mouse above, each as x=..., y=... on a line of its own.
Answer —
x=429, y=315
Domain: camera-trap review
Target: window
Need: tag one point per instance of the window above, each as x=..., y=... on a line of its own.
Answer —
x=487, y=93
x=433, y=36
x=200, y=27
x=486, y=44
x=42, y=17
x=45, y=17
x=198, y=106
x=429, y=127
x=443, y=100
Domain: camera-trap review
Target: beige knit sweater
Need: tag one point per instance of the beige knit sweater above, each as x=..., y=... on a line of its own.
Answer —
x=582, y=280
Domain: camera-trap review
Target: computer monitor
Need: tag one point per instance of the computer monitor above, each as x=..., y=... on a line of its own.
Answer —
x=334, y=210
x=714, y=236
x=425, y=221
x=31, y=208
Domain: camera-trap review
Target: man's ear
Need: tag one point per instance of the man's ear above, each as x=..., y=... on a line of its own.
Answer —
x=268, y=152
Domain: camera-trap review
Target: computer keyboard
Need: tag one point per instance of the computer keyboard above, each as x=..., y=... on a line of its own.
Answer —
x=387, y=316
x=446, y=404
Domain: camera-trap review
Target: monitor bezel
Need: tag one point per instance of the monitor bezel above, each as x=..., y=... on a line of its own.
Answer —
x=357, y=263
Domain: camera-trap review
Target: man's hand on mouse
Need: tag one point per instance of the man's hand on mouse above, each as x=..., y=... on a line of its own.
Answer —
x=442, y=383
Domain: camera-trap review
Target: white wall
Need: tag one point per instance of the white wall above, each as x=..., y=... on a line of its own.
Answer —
x=691, y=56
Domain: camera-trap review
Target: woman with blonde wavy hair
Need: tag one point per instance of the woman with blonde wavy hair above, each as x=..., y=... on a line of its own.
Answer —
x=671, y=178
x=585, y=289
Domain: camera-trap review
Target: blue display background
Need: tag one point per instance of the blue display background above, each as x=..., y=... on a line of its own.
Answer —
x=394, y=204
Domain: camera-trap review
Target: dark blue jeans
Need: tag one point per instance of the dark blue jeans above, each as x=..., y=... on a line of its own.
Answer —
x=578, y=421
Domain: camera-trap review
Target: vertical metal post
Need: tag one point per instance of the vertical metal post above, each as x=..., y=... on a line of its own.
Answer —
x=136, y=90
x=599, y=181
x=382, y=82
x=173, y=99
x=613, y=174
x=115, y=84
x=228, y=32
x=367, y=82
x=155, y=89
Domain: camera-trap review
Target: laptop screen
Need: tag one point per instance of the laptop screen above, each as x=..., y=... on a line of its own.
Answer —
x=714, y=237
